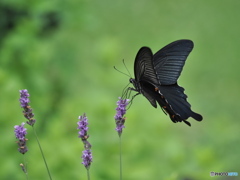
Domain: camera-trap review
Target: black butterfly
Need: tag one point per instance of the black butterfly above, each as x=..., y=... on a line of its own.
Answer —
x=156, y=78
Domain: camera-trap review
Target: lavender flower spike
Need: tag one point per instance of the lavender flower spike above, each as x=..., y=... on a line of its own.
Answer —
x=82, y=127
x=20, y=133
x=87, y=158
x=27, y=112
x=121, y=111
x=24, y=98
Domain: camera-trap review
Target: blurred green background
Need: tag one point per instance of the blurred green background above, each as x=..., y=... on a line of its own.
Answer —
x=63, y=52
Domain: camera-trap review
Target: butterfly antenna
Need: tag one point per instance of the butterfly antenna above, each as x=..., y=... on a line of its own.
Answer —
x=121, y=71
x=127, y=69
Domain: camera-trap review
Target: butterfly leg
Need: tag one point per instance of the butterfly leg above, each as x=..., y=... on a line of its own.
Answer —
x=132, y=99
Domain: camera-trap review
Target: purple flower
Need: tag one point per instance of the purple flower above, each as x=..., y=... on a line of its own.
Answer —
x=24, y=98
x=87, y=158
x=20, y=133
x=121, y=111
x=82, y=126
x=27, y=110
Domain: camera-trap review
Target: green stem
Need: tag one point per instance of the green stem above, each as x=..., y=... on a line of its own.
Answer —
x=25, y=167
x=35, y=133
x=88, y=174
x=120, y=155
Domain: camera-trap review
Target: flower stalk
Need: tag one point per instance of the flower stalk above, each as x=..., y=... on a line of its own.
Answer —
x=28, y=114
x=83, y=134
x=120, y=120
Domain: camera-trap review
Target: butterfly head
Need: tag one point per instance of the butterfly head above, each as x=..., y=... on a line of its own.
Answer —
x=133, y=81
x=135, y=85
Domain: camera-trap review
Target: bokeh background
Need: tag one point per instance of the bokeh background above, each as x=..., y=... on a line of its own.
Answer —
x=63, y=52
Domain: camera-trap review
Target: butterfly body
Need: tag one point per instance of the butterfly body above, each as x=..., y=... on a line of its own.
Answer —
x=156, y=78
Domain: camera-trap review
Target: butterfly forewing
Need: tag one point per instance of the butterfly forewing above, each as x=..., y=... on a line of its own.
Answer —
x=143, y=66
x=169, y=61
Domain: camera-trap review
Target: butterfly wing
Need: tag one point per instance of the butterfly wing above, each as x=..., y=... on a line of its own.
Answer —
x=144, y=73
x=156, y=78
x=168, y=62
x=143, y=66
x=176, y=98
x=157, y=95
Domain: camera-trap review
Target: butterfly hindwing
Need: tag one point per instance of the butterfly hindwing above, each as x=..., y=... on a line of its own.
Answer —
x=148, y=91
x=175, y=96
x=154, y=94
